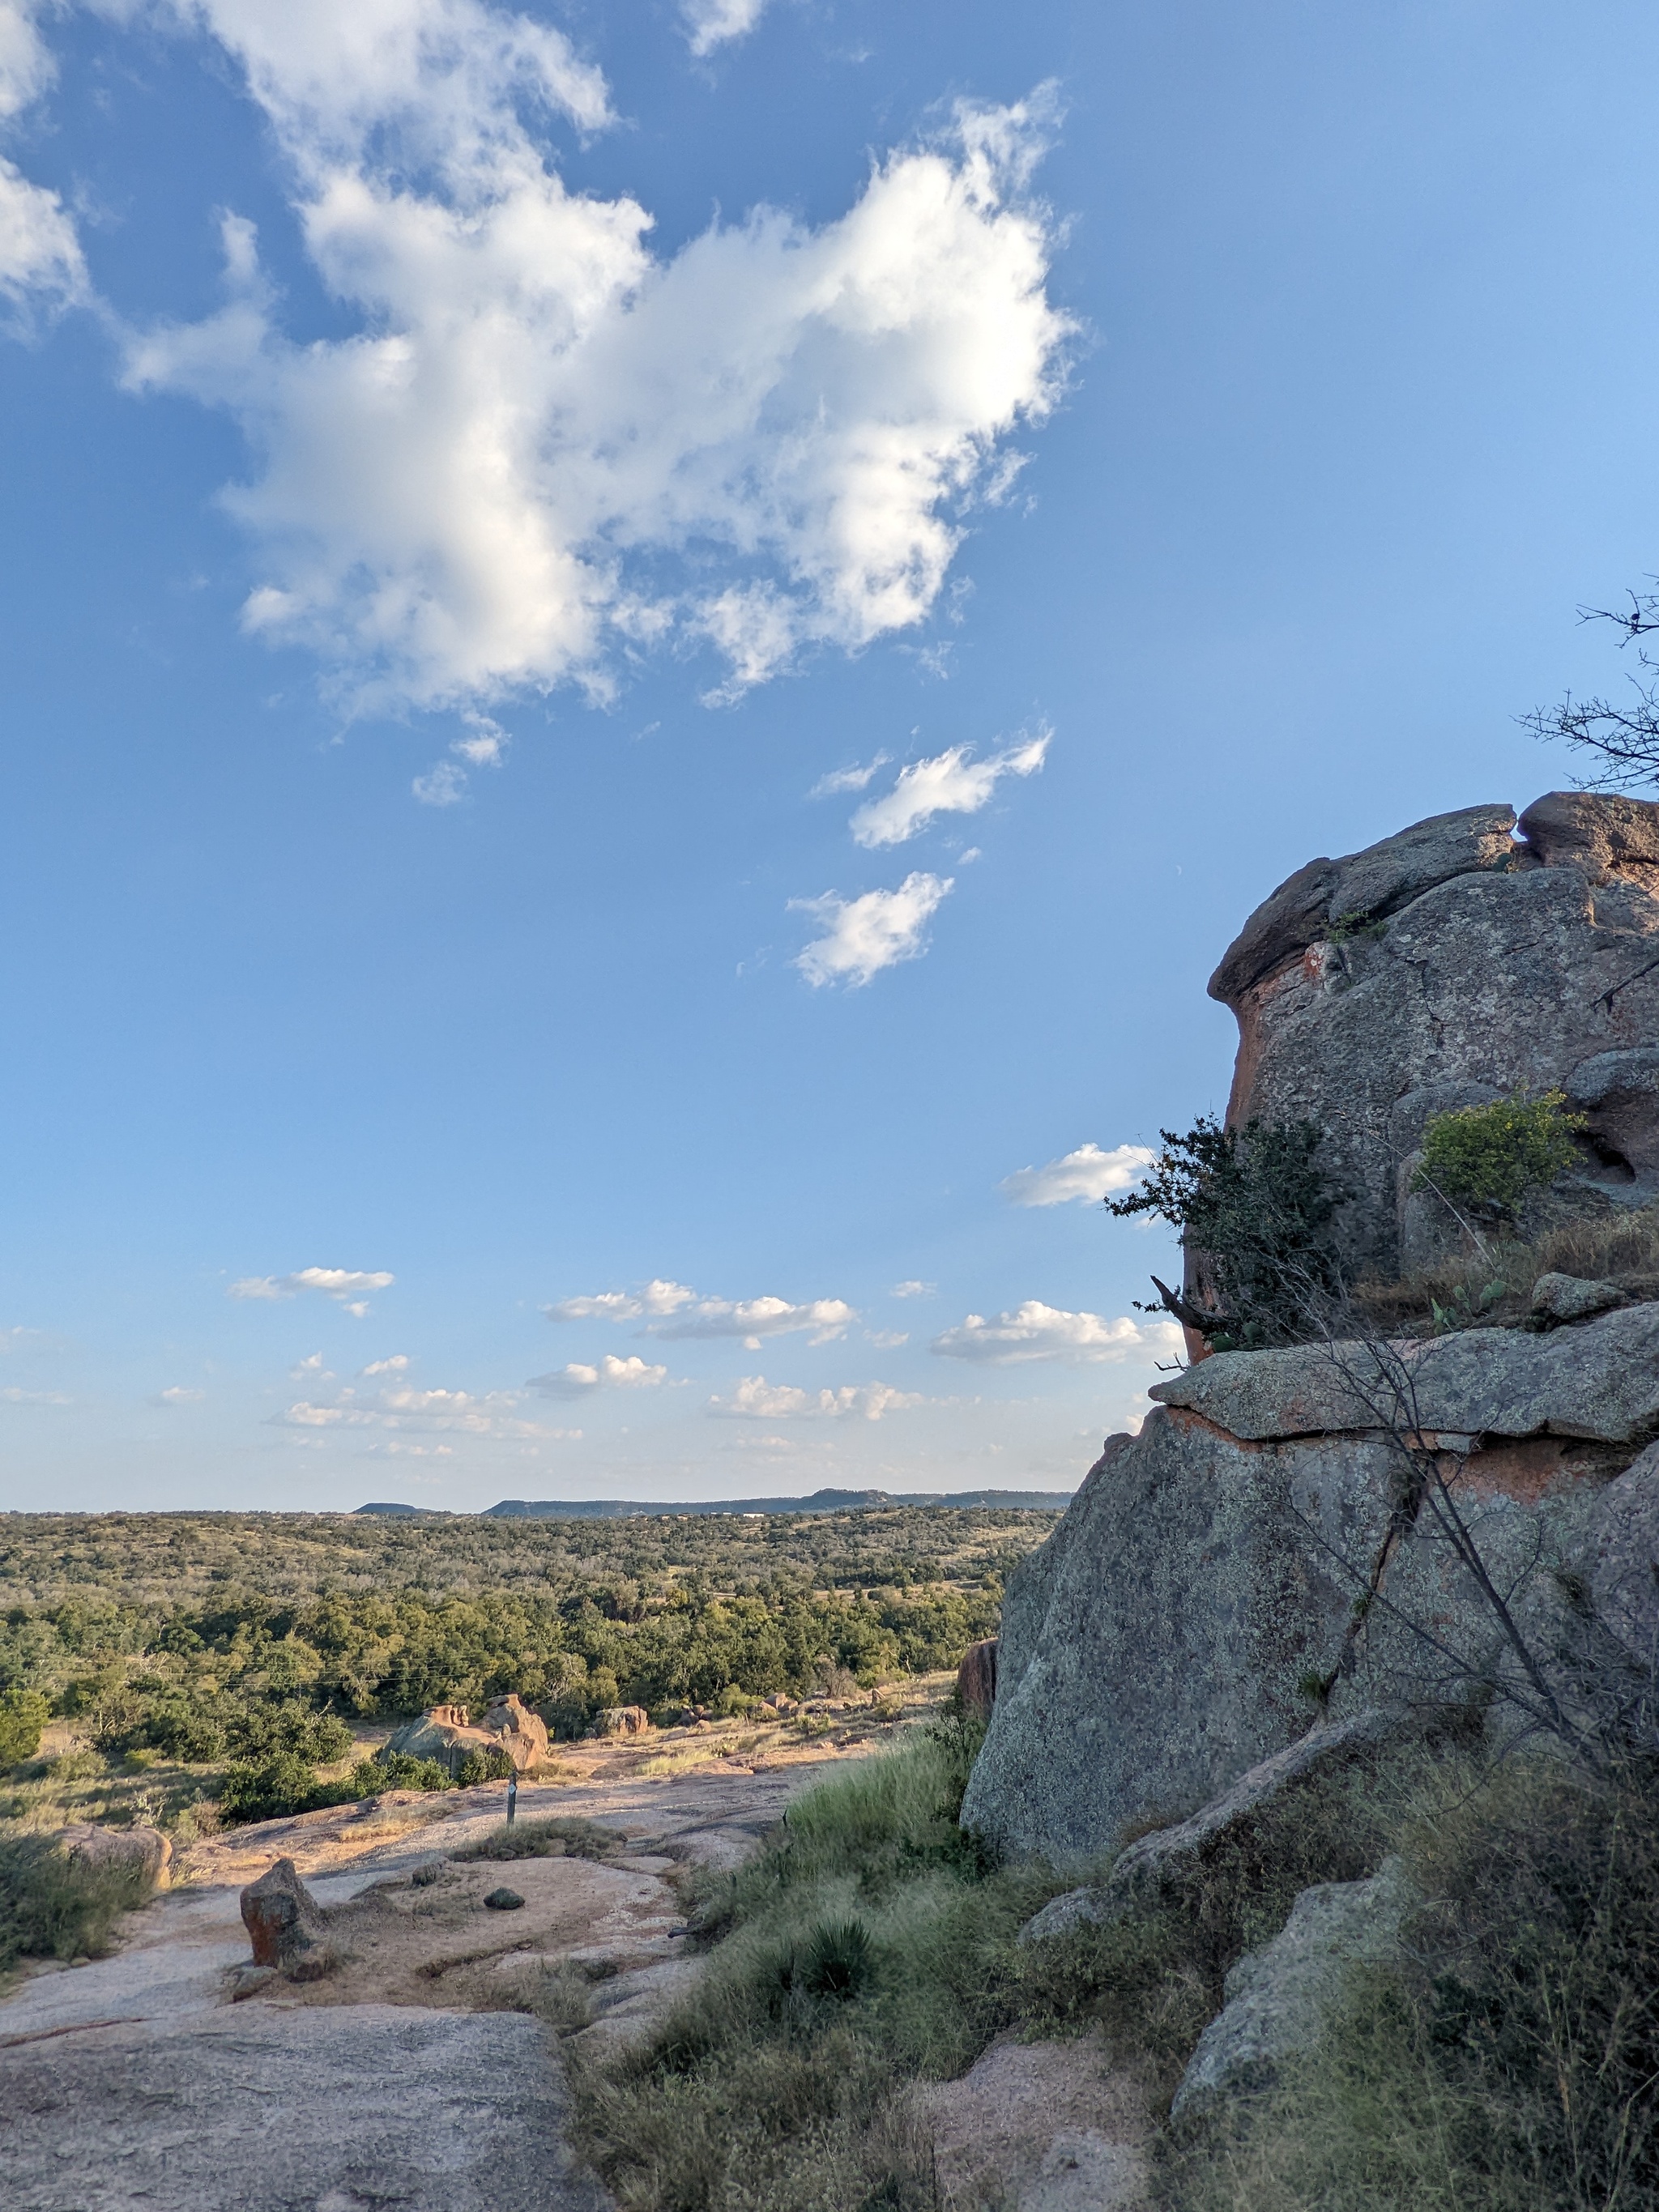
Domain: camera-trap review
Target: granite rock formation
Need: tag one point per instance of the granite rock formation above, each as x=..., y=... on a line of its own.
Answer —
x=449, y=1734
x=1463, y=959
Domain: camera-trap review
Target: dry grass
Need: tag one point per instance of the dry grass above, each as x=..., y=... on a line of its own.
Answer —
x=546, y=1839
x=1622, y=1248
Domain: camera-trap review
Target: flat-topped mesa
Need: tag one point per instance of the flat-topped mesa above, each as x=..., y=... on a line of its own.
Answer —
x=1461, y=960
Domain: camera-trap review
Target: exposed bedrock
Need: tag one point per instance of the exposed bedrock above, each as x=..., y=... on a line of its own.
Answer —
x=1170, y=1634
x=1466, y=957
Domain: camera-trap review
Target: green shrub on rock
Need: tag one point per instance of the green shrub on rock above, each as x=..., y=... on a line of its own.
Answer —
x=1490, y=1158
x=53, y=1906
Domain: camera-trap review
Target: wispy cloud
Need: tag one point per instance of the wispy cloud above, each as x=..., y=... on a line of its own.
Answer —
x=1035, y=1331
x=345, y=1285
x=1085, y=1175
x=842, y=779
x=755, y=1399
x=177, y=1397
x=913, y=1289
x=13, y=1397
x=711, y=24
x=578, y=1380
x=952, y=782
x=862, y=936
x=445, y=784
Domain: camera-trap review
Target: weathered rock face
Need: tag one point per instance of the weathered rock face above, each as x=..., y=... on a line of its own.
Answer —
x=976, y=1678
x=1463, y=959
x=1172, y=1633
x=521, y=1733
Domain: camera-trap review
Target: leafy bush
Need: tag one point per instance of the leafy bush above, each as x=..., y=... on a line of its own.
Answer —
x=1490, y=1158
x=1256, y=1206
x=268, y=1788
x=397, y=1769
x=23, y=1716
x=55, y=1907
x=492, y=1765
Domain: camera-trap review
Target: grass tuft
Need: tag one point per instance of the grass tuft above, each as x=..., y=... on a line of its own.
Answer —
x=546, y=1839
x=53, y=1906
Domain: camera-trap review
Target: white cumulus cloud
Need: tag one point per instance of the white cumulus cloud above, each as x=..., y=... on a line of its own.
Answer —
x=754, y=1318
x=952, y=782
x=488, y=1414
x=864, y=935
x=345, y=1285
x=178, y=1396
x=473, y=492
x=755, y=1399
x=710, y=23
x=1086, y=1174
x=578, y=1379
x=1035, y=1331
x=40, y=253
x=659, y=1297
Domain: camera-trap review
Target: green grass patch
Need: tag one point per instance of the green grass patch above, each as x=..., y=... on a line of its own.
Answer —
x=546, y=1839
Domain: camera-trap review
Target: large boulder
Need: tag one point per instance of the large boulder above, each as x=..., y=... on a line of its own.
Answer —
x=1238, y=1571
x=1450, y=964
x=520, y=1732
x=976, y=1678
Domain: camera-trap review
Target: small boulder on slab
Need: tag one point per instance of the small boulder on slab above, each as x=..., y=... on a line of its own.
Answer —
x=1568, y=1298
x=622, y=1720
x=504, y=1901
x=282, y=1918
x=146, y=1849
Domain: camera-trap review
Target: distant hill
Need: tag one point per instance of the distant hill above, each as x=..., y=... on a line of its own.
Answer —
x=821, y=1501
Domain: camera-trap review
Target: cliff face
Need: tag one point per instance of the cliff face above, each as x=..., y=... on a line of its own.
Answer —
x=1463, y=959
x=1178, y=1627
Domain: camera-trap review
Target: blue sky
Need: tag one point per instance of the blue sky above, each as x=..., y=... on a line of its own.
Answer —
x=481, y=487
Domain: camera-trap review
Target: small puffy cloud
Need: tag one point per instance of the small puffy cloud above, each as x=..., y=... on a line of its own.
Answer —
x=345, y=1285
x=710, y=23
x=13, y=1397
x=914, y=1289
x=1085, y=1175
x=848, y=778
x=1035, y=1331
x=578, y=1379
x=444, y=785
x=751, y=1319
x=490, y=1414
x=953, y=783
x=657, y=1298
x=888, y=1339
x=755, y=1399
x=864, y=935
x=177, y=1397
x=394, y=1365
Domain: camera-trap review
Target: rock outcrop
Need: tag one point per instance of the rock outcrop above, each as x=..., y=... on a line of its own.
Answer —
x=1197, y=1609
x=449, y=1734
x=1465, y=958
x=976, y=1678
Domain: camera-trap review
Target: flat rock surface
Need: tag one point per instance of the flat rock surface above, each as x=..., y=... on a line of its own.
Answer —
x=398, y=2081
x=265, y=2111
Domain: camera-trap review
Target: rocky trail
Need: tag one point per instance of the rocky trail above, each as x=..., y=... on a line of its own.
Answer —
x=404, y=2077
